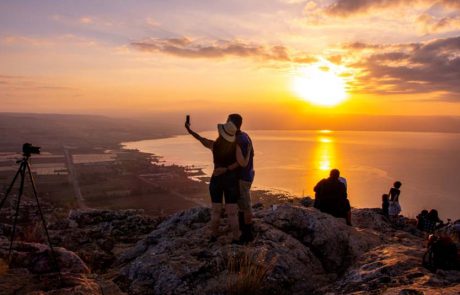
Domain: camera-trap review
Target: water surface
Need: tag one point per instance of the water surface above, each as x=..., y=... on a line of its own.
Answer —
x=294, y=161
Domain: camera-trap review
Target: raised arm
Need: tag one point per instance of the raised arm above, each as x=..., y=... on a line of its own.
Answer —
x=207, y=143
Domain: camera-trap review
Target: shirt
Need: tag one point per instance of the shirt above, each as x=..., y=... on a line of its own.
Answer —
x=242, y=140
x=223, y=152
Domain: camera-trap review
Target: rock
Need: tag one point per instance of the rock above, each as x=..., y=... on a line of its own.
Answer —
x=298, y=250
x=402, y=269
x=370, y=219
x=334, y=242
x=16, y=281
x=93, y=234
x=37, y=258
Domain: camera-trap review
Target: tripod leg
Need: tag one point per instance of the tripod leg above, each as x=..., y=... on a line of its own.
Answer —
x=53, y=254
x=22, y=169
x=10, y=188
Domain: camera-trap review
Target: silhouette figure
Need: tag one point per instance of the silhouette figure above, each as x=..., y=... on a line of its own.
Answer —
x=245, y=164
x=385, y=204
x=331, y=197
x=224, y=183
x=394, y=207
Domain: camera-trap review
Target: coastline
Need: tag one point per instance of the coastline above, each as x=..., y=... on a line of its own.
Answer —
x=196, y=175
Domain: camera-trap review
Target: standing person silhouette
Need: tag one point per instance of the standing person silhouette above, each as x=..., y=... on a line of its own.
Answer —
x=394, y=207
x=245, y=165
x=224, y=182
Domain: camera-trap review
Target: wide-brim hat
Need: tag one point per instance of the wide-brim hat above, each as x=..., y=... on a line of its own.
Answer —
x=227, y=131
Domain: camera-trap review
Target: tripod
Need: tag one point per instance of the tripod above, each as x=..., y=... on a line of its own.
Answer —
x=24, y=169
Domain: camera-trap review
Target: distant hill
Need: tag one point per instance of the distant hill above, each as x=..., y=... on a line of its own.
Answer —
x=55, y=130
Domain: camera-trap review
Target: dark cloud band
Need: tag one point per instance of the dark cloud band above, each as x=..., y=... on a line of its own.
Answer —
x=187, y=48
x=416, y=68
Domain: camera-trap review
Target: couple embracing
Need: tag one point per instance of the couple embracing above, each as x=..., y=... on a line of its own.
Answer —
x=231, y=179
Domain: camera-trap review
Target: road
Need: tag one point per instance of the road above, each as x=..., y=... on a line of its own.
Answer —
x=73, y=179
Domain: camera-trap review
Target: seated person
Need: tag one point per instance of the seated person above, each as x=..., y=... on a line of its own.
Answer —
x=331, y=197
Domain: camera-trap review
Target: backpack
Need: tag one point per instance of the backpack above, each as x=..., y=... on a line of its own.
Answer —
x=441, y=254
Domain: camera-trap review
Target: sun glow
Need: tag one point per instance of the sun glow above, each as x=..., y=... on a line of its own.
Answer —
x=320, y=84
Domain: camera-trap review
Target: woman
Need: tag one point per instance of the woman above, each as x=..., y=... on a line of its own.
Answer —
x=224, y=183
x=394, y=207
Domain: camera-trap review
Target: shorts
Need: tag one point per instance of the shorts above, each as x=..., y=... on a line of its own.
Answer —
x=244, y=201
x=226, y=187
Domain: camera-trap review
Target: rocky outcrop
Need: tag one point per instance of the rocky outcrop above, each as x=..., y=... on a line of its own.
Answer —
x=97, y=236
x=299, y=250
x=395, y=266
x=86, y=242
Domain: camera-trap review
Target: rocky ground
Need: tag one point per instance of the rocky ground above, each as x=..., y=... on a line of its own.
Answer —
x=297, y=250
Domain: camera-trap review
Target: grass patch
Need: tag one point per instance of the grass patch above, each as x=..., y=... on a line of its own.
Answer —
x=247, y=271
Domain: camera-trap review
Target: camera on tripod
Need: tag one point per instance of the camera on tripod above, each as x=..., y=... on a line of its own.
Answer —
x=23, y=172
x=28, y=149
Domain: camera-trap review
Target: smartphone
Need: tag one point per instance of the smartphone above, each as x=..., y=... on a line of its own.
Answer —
x=187, y=120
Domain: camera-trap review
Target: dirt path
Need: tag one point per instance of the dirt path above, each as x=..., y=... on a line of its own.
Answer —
x=73, y=179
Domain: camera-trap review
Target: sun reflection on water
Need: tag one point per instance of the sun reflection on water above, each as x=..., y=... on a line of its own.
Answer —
x=325, y=158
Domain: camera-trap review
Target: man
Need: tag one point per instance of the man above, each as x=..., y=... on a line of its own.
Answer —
x=331, y=197
x=245, y=164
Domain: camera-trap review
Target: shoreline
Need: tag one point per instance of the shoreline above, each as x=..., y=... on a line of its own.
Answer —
x=199, y=174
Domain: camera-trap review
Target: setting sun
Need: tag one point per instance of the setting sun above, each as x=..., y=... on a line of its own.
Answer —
x=319, y=85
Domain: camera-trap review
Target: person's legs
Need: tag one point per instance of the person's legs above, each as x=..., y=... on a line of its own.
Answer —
x=215, y=218
x=232, y=213
x=245, y=212
x=216, y=191
x=231, y=194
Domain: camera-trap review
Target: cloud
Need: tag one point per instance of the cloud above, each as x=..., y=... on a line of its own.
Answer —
x=188, y=48
x=430, y=24
x=416, y=68
x=23, y=83
x=48, y=42
x=350, y=7
x=86, y=20
x=426, y=16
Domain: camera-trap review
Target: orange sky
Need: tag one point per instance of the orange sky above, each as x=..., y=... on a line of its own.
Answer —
x=120, y=58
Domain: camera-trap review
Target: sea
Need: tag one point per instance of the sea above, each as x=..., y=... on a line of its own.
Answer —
x=427, y=164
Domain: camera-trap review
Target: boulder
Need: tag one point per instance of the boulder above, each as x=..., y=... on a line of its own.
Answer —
x=37, y=258
x=297, y=250
x=336, y=244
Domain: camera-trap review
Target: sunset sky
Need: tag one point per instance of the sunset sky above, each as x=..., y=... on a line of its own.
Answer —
x=138, y=57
